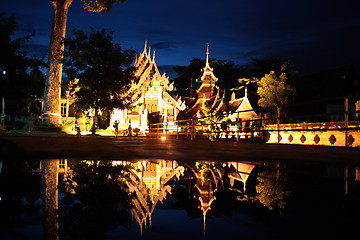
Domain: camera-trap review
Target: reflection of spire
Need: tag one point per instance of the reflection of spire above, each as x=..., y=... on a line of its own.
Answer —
x=148, y=181
x=204, y=222
x=206, y=184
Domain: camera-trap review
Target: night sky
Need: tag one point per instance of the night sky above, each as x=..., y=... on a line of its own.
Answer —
x=312, y=35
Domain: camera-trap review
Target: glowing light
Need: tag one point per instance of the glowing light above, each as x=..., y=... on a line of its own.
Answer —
x=163, y=138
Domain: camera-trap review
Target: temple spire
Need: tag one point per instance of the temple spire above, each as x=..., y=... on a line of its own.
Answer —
x=233, y=96
x=153, y=58
x=145, y=46
x=207, y=54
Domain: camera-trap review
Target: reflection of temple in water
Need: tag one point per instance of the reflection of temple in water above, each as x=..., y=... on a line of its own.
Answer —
x=239, y=172
x=148, y=181
x=208, y=178
x=200, y=189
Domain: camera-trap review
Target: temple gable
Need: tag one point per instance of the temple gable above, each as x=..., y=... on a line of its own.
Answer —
x=151, y=100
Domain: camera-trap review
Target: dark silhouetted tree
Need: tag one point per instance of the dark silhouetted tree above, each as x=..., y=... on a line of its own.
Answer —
x=21, y=78
x=53, y=83
x=100, y=200
x=103, y=69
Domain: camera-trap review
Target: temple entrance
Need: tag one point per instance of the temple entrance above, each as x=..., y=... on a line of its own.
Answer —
x=153, y=119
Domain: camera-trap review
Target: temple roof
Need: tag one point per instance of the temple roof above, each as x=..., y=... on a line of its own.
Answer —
x=149, y=77
x=233, y=105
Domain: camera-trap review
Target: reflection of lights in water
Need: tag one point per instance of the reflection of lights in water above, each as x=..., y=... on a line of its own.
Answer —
x=163, y=138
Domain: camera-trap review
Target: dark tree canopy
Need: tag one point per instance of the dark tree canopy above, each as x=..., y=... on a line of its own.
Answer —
x=100, y=5
x=260, y=67
x=225, y=71
x=102, y=67
x=100, y=200
x=21, y=78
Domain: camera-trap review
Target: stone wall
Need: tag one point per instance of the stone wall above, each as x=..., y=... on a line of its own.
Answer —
x=328, y=134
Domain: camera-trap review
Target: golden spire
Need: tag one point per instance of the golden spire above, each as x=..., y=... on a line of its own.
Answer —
x=207, y=54
x=145, y=46
x=153, y=59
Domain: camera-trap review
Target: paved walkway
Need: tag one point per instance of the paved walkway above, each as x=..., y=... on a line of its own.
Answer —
x=134, y=148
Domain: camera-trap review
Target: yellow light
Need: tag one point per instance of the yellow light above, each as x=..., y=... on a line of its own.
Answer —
x=163, y=138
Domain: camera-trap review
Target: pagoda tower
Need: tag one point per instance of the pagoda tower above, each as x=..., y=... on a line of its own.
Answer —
x=208, y=81
x=208, y=91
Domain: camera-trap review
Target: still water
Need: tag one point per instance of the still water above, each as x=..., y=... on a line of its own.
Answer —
x=166, y=199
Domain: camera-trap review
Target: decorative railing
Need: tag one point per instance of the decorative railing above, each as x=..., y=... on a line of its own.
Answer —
x=276, y=120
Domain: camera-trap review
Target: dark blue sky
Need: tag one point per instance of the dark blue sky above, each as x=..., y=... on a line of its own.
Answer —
x=310, y=34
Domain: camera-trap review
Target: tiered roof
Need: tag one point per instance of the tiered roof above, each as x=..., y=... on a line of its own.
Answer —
x=149, y=76
x=207, y=92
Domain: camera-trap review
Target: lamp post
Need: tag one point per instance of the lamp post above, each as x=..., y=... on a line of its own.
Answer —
x=2, y=116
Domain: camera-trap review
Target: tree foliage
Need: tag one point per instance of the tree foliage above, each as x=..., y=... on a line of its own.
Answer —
x=21, y=78
x=269, y=82
x=56, y=48
x=103, y=69
x=274, y=90
x=272, y=190
x=99, y=201
x=209, y=119
x=100, y=5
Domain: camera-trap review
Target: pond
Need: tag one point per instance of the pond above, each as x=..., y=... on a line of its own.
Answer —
x=168, y=199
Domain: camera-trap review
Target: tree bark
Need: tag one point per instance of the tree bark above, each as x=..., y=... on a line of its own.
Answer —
x=51, y=200
x=52, y=94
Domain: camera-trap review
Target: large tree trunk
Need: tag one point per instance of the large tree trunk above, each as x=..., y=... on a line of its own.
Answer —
x=51, y=200
x=52, y=93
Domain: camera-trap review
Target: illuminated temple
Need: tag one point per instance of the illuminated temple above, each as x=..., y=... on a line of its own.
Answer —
x=208, y=93
x=153, y=102
x=151, y=98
